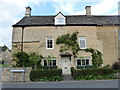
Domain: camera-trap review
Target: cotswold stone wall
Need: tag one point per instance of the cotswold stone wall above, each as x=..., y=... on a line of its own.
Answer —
x=7, y=76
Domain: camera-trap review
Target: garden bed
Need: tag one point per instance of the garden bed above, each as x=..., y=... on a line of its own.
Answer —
x=93, y=74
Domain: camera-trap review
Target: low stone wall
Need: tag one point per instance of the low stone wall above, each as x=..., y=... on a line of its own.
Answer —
x=8, y=76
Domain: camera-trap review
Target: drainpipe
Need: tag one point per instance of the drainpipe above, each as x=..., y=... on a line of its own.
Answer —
x=22, y=38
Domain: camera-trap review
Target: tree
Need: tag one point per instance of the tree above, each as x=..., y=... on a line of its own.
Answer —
x=21, y=59
x=4, y=48
x=35, y=59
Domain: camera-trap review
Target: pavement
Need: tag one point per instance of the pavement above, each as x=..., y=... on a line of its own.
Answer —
x=63, y=84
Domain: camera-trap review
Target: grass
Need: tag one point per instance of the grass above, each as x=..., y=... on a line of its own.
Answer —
x=4, y=65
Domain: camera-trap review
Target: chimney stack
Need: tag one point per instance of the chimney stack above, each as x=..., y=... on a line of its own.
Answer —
x=88, y=10
x=28, y=12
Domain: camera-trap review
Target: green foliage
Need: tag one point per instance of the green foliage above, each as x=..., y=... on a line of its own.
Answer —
x=21, y=59
x=48, y=73
x=27, y=60
x=95, y=77
x=107, y=66
x=94, y=71
x=55, y=78
x=35, y=59
x=4, y=48
x=97, y=60
x=70, y=43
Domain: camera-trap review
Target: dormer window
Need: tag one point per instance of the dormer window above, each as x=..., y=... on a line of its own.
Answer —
x=59, y=19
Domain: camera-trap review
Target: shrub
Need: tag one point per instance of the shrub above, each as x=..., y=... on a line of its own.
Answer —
x=95, y=77
x=94, y=71
x=116, y=65
x=41, y=73
x=55, y=78
x=21, y=59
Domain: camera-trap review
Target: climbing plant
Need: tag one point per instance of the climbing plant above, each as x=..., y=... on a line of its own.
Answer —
x=97, y=60
x=69, y=42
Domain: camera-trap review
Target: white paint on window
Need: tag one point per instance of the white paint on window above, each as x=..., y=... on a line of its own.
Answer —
x=82, y=42
x=49, y=43
x=83, y=61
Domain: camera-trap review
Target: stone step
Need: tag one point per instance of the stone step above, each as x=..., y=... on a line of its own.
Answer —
x=67, y=78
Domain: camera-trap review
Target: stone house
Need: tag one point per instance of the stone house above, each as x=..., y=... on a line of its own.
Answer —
x=5, y=56
x=39, y=34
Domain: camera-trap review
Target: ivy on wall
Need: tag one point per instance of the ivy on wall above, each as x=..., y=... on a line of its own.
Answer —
x=69, y=42
x=97, y=60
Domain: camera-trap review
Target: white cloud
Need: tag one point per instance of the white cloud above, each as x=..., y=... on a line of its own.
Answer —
x=107, y=7
x=11, y=12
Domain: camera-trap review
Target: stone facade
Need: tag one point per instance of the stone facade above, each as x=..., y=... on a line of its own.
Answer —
x=100, y=32
x=7, y=76
x=104, y=39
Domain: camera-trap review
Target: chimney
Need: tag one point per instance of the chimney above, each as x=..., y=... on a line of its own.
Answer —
x=28, y=12
x=88, y=10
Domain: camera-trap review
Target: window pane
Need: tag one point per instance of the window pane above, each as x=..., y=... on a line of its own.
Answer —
x=78, y=62
x=82, y=42
x=83, y=62
x=54, y=62
x=50, y=63
x=49, y=43
x=45, y=62
x=87, y=61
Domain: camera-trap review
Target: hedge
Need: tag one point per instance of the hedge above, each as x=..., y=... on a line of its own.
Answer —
x=48, y=73
x=93, y=71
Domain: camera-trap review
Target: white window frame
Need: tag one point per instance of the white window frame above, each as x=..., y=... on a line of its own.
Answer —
x=52, y=43
x=82, y=38
x=52, y=62
x=81, y=61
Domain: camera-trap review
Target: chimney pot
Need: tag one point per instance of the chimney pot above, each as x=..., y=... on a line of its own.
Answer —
x=88, y=10
x=28, y=11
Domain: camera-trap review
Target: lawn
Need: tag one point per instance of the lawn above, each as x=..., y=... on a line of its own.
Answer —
x=4, y=65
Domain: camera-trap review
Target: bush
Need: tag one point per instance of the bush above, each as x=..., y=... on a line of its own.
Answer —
x=21, y=59
x=42, y=73
x=55, y=78
x=116, y=65
x=94, y=71
x=95, y=77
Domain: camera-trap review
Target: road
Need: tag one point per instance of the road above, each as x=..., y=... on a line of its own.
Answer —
x=63, y=84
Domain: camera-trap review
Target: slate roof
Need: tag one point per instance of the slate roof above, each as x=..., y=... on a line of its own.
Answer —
x=70, y=20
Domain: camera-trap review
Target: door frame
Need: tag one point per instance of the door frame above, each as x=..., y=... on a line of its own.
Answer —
x=68, y=68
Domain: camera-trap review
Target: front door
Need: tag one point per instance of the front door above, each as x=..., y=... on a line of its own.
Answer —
x=65, y=65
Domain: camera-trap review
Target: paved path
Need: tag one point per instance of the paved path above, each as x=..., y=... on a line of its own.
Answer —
x=64, y=84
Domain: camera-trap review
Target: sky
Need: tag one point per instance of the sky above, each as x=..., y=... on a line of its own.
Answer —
x=14, y=10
